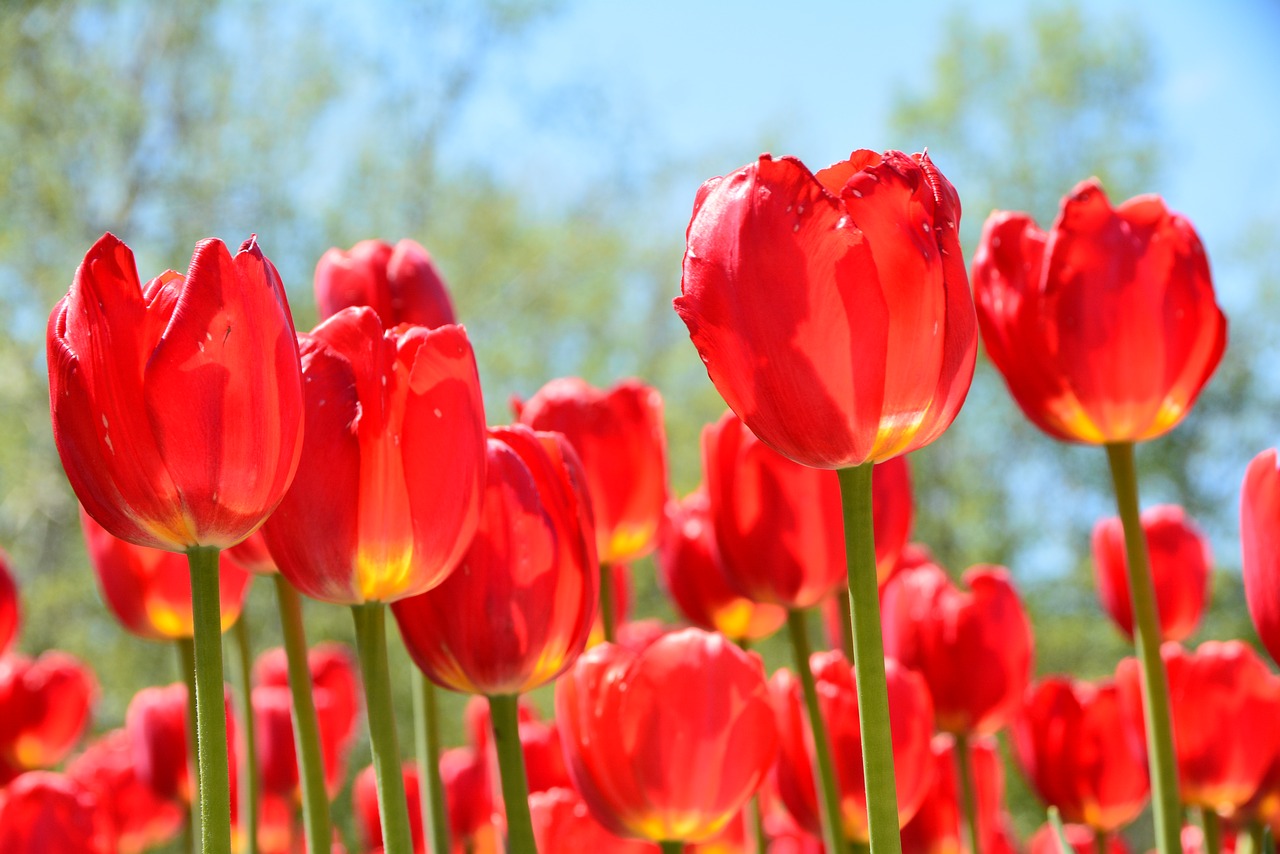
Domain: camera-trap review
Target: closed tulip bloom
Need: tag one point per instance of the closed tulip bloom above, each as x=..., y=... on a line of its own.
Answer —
x=934, y=627
x=1260, y=544
x=779, y=525
x=138, y=818
x=620, y=439
x=275, y=744
x=388, y=491
x=156, y=723
x=1180, y=564
x=8, y=604
x=364, y=803
x=936, y=827
x=149, y=590
x=689, y=566
x=668, y=743
x=1080, y=837
x=468, y=794
x=519, y=609
x=45, y=706
x=401, y=283
x=1081, y=752
x=911, y=716
x=177, y=407
x=333, y=677
x=562, y=824
x=46, y=813
x=1106, y=328
x=832, y=310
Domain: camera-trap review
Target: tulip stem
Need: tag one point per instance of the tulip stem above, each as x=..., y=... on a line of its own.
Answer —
x=306, y=728
x=1100, y=840
x=504, y=714
x=868, y=660
x=187, y=667
x=426, y=729
x=671, y=846
x=211, y=708
x=1165, y=805
x=859, y=848
x=371, y=648
x=827, y=786
x=608, y=616
x=757, y=824
x=248, y=761
x=967, y=799
x=1257, y=836
x=1212, y=829
x=846, y=634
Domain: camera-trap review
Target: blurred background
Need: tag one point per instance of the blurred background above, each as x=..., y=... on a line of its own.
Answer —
x=547, y=154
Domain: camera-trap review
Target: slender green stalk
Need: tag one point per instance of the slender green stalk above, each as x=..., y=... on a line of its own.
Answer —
x=868, y=660
x=1268, y=841
x=846, y=633
x=671, y=846
x=211, y=709
x=968, y=801
x=1165, y=805
x=505, y=715
x=859, y=847
x=826, y=783
x=306, y=728
x=1212, y=828
x=371, y=647
x=1100, y=840
x=757, y=825
x=1055, y=820
x=187, y=668
x=426, y=729
x=1257, y=837
x=608, y=618
x=248, y=763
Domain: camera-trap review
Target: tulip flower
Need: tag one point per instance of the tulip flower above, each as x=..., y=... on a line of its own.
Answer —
x=562, y=824
x=401, y=283
x=1082, y=753
x=467, y=794
x=333, y=674
x=45, y=706
x=8, y=604
x=276, y=749
x=366, y=797
x=911, y=712
x=1180, y=564
x=667, y=744
x=156, y=723
x=52, y=814
x=689, y=566
x=1081, y=838
x=138, y=818
x=936, y=826
x=1260, y=543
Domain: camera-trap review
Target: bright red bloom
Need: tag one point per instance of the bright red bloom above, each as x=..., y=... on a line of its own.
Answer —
x=46, y=813
x=562, y=824
x=1081, y=838
x=138, y=818
x=45, y=705
x=655, y=769
x=395, y=446
x=149, y=590
x=937, y=827
x=333, y=671
x=1081, y=752
x=832, y=310
x=1260, y=544
x=1225, y=702
x=8, y=604
x=177, y=408
x=400, y=283
x=519, y=609
x=1106, y=328
x=619, y=437
x=156, y=723
x=544, y=765
x=689, y=563
x=468, y=795
x=932, y=626
x=364, y=802
x=911, y=716
x=779, y=525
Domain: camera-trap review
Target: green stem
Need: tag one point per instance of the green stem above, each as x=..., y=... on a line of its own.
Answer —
x=868, y=660
x=608, y=619
x=967, y=799
x=248, y=761
x=671, y=846
x=211, y=709
x=1212, y=831
x=859, y=848
x=187, y=667
x=826, y=784
x=505, y=715
x=371, y=647
x=1257, y=837
x=846, y=635
x=426, y=729
x=1100, y=840
x=1165, y=805
x=306, y=727
x=1268, y=841
x=757, y=824
x=1055, y=821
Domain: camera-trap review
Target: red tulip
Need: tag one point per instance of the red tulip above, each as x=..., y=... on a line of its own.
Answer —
x=467, y=792
x=149, y=590
x=670, y=742
x=1081, y=838
x=364, y=802
x=619, y=437
x=935, y=628
x=1260, y=543
x=1081, y=752
x=1106, y=328
x=779, y=525
x=8, y=604
x=400, y=283
x=333, y=672
x=832, y=310
x=544, y=764
x=138, y=818
x=1224, y=703
x=177, y=408
x=156, y=723
x=45, y=705
x=562, y=824
x=275, y=743
x=46, y=813
x=936, y=828
x=388, y=490
x=1180, y=562
x=519, y=609
x=689, y=563
x=911, y=717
